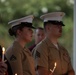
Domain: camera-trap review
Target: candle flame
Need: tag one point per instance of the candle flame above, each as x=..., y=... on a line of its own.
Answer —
x=55, y=64
x=3, y=49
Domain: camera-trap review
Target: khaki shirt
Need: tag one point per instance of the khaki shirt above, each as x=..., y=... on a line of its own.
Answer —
x=20, y=60
x=46, y=54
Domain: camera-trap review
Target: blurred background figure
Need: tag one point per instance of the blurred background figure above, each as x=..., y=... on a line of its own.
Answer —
x=39, y=35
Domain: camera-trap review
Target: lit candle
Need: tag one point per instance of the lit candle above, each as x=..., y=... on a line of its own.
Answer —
x=55, y=64
x=15, y=73
x=3, y=52
x=54, y=67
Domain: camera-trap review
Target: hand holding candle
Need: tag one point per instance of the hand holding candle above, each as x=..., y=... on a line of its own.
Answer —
x=3, y=52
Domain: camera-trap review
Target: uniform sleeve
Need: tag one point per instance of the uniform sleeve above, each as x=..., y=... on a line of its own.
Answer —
x=70, y=64
x=40, y=55
x=15, y=61
x=68, y=59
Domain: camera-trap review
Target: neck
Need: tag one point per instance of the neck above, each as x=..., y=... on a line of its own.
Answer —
x=21, y=42
x=53, y=40
x=36, y=42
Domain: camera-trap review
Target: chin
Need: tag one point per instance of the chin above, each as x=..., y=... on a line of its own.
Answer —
x=59, y=36
x=29, y=40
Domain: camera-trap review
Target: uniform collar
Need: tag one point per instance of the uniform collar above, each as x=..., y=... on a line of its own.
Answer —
x=49, y=43
x=15, y=43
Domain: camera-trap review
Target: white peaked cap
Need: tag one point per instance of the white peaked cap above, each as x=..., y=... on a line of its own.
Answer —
x=54, y=16
x=28, y=19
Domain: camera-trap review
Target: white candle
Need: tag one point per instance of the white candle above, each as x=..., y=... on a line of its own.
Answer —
x=54, y=67
x=55, y=64
x=3, y=52
x=51, y=70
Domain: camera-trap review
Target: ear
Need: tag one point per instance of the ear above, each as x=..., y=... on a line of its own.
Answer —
x=18, y=32
x=48, y=27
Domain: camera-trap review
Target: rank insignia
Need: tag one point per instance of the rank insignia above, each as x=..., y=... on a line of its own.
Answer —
x=37, y=54
x=12, y=58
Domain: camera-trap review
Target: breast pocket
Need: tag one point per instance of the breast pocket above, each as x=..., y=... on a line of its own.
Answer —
x=66, y=57
x=51, y=60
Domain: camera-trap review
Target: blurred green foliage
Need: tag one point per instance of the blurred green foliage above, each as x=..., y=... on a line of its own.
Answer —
x=13, y=9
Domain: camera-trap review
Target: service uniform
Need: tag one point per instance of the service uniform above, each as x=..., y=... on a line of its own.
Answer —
x=46, y=54
x=20, y=60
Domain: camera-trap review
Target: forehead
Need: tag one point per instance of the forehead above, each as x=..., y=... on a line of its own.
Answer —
x=55, y=26
x=39, y=30
x=26, y=28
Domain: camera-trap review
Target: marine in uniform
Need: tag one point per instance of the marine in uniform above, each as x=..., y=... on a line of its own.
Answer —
x=19, y=58
x=51, y=58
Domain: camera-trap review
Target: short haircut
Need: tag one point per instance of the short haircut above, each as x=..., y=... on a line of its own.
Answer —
x=54, y=23
x=39, y=28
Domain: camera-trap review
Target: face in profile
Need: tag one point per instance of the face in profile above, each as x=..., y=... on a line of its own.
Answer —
x=56, y=30
x=39, y=35
x=26, y=34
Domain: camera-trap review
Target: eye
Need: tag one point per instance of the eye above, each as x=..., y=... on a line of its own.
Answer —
x=30, y=29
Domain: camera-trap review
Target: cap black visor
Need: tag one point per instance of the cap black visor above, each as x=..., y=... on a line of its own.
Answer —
x=27, y=24
x=55, y=22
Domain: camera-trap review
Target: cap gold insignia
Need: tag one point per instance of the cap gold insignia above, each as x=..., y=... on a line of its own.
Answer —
x=62, y=14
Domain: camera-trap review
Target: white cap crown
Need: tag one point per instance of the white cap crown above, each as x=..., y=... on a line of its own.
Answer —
x=54, y=16
x=28, y=19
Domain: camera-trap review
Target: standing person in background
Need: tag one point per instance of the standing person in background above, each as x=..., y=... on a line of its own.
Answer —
x=38, y=36
x=49, y=51
x=19, y=57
